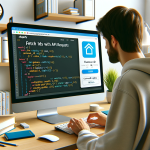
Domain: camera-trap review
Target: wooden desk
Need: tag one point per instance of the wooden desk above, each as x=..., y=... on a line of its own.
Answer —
x=40, y=128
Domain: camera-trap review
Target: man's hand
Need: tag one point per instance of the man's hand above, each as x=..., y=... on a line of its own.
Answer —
x=100, y=118
x=78, y=125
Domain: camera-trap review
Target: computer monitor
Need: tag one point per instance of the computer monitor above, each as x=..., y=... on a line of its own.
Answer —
x=52, y=67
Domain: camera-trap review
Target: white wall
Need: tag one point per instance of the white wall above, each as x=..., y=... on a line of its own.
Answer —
x=23, y=12
x=147, y=11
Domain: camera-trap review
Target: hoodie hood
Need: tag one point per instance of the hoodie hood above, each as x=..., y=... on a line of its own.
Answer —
x=141, y=64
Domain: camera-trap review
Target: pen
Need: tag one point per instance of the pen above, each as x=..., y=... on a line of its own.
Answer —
x=8, y=143
x=2, y=145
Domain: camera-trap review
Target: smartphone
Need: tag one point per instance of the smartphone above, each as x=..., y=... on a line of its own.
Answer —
x=19, y=135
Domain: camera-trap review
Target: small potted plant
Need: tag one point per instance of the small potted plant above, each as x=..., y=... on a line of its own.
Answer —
x=110, y=77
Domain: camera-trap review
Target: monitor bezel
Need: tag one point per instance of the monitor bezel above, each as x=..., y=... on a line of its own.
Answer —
x=11, y=63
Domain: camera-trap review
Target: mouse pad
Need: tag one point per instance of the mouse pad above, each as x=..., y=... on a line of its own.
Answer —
x=69, y=147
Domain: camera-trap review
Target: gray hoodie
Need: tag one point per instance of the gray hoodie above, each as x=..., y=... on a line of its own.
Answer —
x=126, y=119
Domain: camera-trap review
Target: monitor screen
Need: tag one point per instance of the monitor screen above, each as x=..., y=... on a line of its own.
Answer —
x=52, y=62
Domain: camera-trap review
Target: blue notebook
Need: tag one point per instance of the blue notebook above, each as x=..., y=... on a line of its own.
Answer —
x=19, y=135
x=105, y=112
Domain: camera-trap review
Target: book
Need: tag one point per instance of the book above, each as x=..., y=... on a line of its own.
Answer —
x=6, y=121
x=53, y=6
x=72, y=11
x=0, y=103
x=5, y=57
x=53, y=9
x=9, y=128
x=8, y=103
x=3, y=102
x=56, y=6
x=70, y=8
x=49, y=6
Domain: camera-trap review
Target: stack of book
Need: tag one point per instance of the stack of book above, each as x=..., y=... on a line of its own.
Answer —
x=7, y=123
x=5, y=103
x=71, y=11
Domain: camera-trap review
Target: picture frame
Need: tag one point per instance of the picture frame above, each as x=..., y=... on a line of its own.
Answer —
x=40, y=9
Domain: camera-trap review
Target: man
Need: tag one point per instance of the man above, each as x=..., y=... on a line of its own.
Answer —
x=122, y=29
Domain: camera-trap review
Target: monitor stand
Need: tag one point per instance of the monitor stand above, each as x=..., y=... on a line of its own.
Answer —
x=51, y=116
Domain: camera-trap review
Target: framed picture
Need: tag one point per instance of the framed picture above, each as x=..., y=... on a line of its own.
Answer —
x=40, y=9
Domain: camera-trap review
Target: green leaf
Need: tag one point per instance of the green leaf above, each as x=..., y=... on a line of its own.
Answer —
x=110, y=77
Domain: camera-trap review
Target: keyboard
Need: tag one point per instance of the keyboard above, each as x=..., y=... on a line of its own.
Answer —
x=64, y=127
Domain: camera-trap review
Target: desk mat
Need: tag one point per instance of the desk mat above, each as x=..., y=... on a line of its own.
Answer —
x=69, y=147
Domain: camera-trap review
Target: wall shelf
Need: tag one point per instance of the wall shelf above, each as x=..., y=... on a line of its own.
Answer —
x=3, y=28
x=65, y=17
x=58, y=16
x=4, y=64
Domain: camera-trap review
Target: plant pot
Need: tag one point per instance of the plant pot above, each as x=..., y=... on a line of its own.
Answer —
x=108, y=96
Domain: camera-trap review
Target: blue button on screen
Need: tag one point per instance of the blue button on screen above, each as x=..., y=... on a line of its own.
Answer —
x=89, y=71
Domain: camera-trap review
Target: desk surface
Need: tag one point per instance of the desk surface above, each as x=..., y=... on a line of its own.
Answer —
x=40, y=128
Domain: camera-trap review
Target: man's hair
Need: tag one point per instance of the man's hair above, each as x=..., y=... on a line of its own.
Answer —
x=125, y=24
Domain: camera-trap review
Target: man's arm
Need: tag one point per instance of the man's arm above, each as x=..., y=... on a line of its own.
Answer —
x=121, y=126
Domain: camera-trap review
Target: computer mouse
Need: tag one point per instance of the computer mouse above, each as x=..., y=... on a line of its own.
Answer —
x=50, y=137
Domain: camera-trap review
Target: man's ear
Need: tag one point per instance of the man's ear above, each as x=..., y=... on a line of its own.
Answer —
x=114, y=42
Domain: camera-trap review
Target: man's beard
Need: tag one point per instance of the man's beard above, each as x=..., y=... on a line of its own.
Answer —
x=113, y=55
